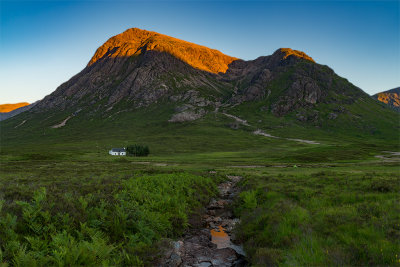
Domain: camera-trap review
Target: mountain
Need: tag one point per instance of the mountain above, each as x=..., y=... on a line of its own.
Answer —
x=141, y=84
x=390, y=97
x=4, y=108
x=143, y=67
x=14, y=109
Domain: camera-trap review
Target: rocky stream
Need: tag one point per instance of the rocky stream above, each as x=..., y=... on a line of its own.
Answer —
x=214, y=243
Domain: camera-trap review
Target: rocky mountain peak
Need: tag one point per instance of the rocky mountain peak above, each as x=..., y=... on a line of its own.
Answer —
x=135, y=41
x=284, y=53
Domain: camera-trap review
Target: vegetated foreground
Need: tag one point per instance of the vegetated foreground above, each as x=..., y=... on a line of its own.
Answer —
x=123, y=211
x=114, y=219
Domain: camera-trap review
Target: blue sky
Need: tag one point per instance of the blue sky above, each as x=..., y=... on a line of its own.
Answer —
x=44, y=43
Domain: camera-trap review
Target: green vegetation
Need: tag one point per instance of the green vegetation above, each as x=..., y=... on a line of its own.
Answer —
x=116, y=221
x=137, y=150
x=321, y=216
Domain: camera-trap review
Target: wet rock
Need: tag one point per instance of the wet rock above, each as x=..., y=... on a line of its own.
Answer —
x=175, y=260
x=205, y=264
x=174, y=254
x=218, y=220
x=211, y=212
x=212, y=245
x=224, y=257
x=227, y=214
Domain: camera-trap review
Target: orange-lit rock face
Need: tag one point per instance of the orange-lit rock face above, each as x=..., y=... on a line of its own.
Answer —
x=297, y=53
x=392, y=98
x=133, y=41
x=11, y=107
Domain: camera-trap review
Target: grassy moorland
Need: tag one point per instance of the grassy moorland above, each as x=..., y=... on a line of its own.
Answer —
x=117, y=211
x=321, y=216
x=65, y=201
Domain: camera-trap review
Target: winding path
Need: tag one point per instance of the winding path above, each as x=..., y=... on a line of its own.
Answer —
x=61, y=124
x=262, y=133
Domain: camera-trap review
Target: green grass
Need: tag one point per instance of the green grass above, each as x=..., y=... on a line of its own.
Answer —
x=347, y=215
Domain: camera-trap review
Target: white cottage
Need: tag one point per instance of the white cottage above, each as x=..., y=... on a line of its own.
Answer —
x=117, y=152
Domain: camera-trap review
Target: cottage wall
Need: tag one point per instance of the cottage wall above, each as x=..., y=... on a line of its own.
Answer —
x=117, y=153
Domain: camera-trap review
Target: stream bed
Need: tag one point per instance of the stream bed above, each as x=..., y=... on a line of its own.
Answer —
x=213, y=244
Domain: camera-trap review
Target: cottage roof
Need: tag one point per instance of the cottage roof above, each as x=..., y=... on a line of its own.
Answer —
x=118, y=150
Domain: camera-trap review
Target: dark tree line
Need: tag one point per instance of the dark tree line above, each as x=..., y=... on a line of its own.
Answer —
x=137, y=150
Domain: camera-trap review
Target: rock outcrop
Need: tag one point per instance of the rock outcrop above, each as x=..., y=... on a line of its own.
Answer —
x=390, y=97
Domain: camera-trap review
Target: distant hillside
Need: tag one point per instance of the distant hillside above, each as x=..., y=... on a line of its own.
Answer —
x=16, y=111
x=10, y=107
x=390, y=97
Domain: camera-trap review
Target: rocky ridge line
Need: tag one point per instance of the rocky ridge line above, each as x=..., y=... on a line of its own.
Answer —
x=136, y=41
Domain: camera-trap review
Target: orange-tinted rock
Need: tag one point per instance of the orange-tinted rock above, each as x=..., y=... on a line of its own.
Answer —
x=134, y=41
x=297, y=53
x=386, y=98
x=11, y=107
x=390, y=97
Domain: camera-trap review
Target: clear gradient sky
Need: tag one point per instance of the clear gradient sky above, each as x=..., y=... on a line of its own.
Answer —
x=44, y=43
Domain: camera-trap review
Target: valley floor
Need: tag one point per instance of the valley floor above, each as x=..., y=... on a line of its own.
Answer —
x=126, y=211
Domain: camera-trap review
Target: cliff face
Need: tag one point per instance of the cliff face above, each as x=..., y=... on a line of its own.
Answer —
x=390, y=97
x=134, y=42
